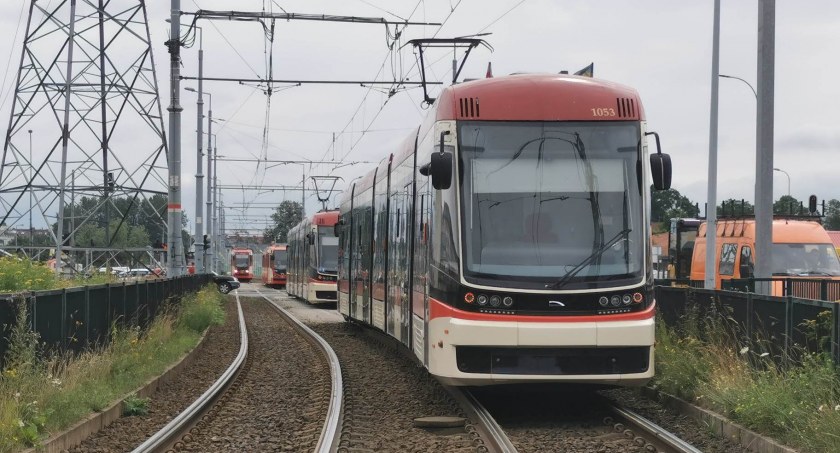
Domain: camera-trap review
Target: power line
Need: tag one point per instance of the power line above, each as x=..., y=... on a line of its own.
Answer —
x=11, y=53
x=503, y=15
x=228, y=42
x=402, y=81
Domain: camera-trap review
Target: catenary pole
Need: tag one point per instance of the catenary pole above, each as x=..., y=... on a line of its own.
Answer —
x=175, y=261
x=198, y=244
x=711, y=204
x=764, y=139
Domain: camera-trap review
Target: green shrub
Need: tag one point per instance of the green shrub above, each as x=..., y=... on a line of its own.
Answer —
x=798, y=404
x=201, y=310
x=24, y=275
x=134, y=405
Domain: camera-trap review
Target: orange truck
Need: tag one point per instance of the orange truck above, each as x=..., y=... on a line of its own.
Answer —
x=801, y=249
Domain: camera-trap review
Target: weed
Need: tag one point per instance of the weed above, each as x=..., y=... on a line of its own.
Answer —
x=134, y=405
x=797, y=402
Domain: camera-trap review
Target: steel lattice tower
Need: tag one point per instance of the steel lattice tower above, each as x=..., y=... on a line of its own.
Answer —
x=87, y=97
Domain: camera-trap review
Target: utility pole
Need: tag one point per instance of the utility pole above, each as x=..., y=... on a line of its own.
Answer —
x=209, y=144
x=175, y=261
x=209, y=260
x=711, y=200
x=199, y=177
x=764, y=140
x=216, y=215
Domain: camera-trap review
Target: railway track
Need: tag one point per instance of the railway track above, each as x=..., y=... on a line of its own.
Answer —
x=282, y=393
x=552, y=420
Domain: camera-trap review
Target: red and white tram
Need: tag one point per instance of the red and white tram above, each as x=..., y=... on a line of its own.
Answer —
x=507, y=239
x=242, y=264
x=274, y=265
x=313, y=255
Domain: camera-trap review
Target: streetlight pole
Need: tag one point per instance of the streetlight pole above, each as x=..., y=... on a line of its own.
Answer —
x=199, y=177
x=786, y=174
x=738, y=78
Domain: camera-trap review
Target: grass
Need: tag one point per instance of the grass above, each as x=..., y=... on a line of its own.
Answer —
x=797, y=404
x=41, y=395
x=24, y=275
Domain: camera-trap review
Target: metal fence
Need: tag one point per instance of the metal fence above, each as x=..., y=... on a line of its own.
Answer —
x=74, y=319
x=781, y=326
x=803, y=288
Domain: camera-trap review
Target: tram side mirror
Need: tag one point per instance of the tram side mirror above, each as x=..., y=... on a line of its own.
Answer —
x=441, y=170
x=660, y=166
x=311, y=238
x=337, y=227
x=440, y=167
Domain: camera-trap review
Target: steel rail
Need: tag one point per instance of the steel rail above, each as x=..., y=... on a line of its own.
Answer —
x=491, y=433
x=180, y=423
x=664, y=437
x=328, y=441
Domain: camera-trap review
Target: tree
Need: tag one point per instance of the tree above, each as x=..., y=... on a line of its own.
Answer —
x=285, y=217
x=787, y=205
x=670, y=204
x=832, y=215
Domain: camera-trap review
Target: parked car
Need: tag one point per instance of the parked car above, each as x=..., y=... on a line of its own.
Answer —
x=225, y=283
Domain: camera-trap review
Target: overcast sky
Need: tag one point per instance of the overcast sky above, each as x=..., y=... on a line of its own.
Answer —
x=660, y=47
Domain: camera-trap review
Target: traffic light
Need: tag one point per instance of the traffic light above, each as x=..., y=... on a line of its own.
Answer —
x=206, y=241
x=109, y=182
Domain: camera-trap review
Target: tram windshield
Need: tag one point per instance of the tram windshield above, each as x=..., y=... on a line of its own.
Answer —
x=328, y=259
x=280, y=260
x=549, y=202
x=241, y=261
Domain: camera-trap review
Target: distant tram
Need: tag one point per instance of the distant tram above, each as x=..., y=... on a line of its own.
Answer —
x=508, y=238
x=313, y=258
x=242, y=264
x=274, y=265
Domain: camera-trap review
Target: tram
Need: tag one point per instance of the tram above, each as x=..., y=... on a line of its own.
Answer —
x=274, y=265
x=313, y=256
x=242, y=264
x=508, y=238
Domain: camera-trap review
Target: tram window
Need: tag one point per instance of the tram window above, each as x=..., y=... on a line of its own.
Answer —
x=727, y=259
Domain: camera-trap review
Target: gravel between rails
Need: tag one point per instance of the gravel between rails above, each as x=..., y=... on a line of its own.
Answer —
x=218, y=350
x=540, y=418
x=384, y=392
x=686, y=428
x=279, y=401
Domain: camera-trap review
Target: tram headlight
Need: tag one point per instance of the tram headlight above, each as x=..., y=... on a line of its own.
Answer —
x=626, y=299
x=495, y=301
x=482, y=299
x=604, y=301
x=615, y=301
x=638, y=298
x=469, y=298
x=507, y=301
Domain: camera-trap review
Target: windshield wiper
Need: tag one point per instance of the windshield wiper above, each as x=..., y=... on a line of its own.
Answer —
x=562, y=282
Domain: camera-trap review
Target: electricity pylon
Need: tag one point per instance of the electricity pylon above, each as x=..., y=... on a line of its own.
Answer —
x=87, y=90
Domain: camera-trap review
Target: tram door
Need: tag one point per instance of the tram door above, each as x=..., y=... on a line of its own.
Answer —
x=420, y=284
